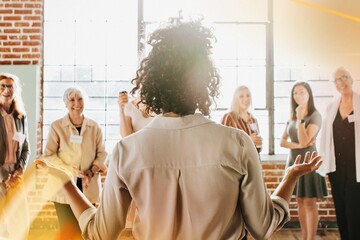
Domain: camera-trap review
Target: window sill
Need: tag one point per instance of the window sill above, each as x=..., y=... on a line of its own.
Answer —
x=273, y=158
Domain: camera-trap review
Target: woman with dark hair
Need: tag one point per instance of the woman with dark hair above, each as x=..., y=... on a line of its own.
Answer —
x=302, y=129
x=189, y=177
x=14, y=156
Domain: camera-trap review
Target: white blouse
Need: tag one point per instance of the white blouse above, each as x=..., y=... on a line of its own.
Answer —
x=138, y=121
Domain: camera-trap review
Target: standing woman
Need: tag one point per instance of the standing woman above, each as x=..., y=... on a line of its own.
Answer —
x=132, y=114
x=14, y=155
x=340, y=149
x=76, y=143
x=302, y=129
x=240, y=117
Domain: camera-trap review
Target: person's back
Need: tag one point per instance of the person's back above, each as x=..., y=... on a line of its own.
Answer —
x=190, y=179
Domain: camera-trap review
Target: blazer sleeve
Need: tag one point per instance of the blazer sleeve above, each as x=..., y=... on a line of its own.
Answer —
x=100, y=150
x=228, y=120
x=25, y=149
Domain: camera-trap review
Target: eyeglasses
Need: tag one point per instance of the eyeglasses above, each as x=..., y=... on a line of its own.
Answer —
x=341, y=79
x=9, y=86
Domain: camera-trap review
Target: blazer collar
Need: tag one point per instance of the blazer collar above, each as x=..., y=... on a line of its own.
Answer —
x=188, y=121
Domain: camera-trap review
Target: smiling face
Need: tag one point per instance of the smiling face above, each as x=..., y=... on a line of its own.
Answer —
x=300, y=95
x=7, y=91
x=75, y=104
x=343, y=82
x=244, y=99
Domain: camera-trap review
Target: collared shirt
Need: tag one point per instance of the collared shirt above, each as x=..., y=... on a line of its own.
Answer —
x=190, y=178
x=12, y=145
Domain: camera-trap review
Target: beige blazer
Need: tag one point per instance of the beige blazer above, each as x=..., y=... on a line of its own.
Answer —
x=62, y=149
x=190, y=178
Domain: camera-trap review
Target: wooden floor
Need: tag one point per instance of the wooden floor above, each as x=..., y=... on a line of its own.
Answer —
x=284, y=234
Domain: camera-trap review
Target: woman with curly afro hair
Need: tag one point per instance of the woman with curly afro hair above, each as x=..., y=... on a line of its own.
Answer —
x=178, y=75
x=189, y=177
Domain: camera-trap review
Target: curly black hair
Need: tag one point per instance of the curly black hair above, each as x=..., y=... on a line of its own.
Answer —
x=178, y=75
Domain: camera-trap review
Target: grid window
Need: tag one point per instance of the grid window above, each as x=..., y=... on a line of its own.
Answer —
x=95, y=44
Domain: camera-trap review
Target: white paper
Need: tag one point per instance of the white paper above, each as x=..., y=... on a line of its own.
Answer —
x=76, y=139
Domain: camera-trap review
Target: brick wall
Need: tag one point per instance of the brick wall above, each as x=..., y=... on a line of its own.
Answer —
x=21, y=31
x=273, y=172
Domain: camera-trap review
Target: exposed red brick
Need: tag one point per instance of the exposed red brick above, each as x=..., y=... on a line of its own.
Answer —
x=22, y=62
x=14, y=5
x=5, y=62
x=33, y=43
x=36, y=24
x=4, y=11
x=5, y=49
x=35, y=37
x=32, y=18
x=22, y=24
x=11, y=56
x=23, y=11
x=3, y=37
x=5, y=24
x=270, y=179
x=12, y=31
x=33, y=5
x=11, y=43
x=18, y=37
x=21, y=49
x=12, y=18
x=36, y=56
x=32, y=30
x=273, y=166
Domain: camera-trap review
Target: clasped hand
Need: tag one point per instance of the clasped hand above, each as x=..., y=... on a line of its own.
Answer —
x=13, y=179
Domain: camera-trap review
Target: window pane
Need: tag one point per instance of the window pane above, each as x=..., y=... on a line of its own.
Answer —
x=93, y=44
x=212, y=10
x=59, y=43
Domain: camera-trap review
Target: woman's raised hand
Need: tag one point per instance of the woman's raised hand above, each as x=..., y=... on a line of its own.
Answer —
x=310, y=163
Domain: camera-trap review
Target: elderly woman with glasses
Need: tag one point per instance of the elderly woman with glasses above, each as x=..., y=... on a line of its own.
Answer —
x=340, y=149
x=14, y=155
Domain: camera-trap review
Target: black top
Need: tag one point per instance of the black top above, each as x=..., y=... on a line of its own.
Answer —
x=344, y=142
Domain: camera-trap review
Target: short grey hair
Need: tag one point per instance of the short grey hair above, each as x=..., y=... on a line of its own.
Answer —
x=74, y=90
x=344, y=70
